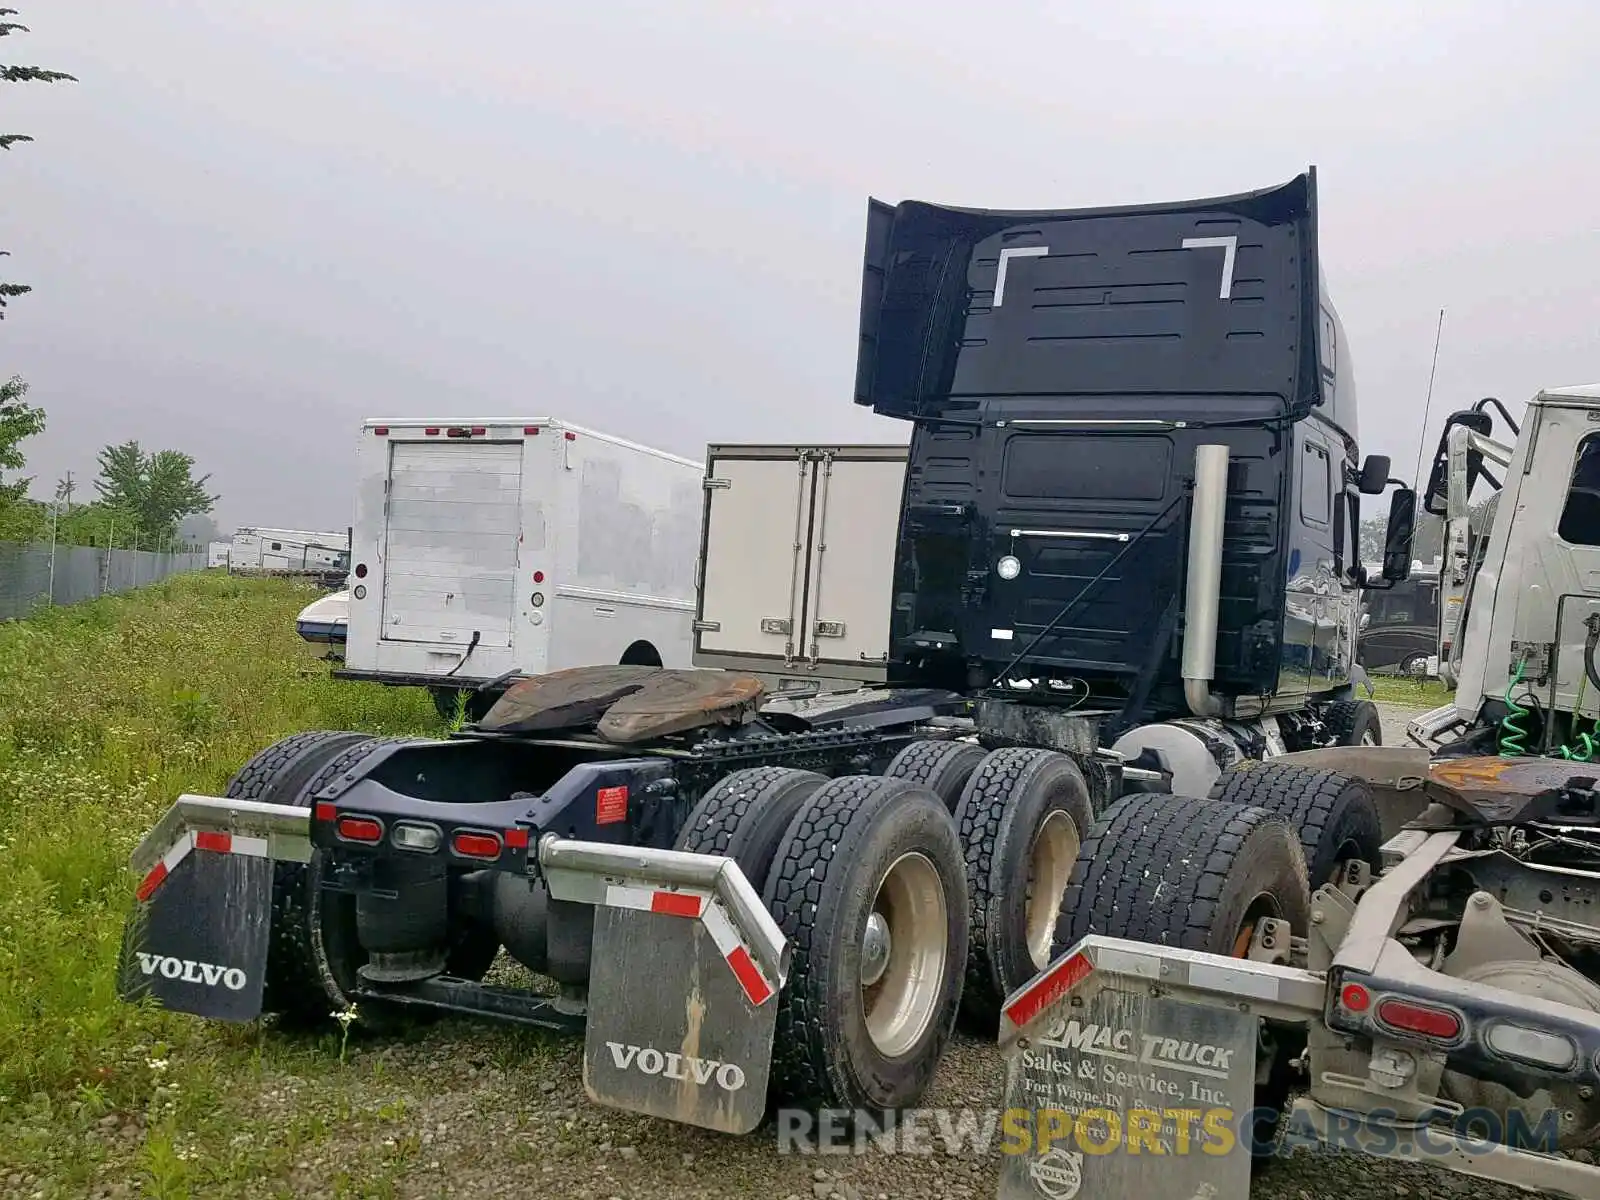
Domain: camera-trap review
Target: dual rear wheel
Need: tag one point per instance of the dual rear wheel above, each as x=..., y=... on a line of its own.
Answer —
x=898, y=895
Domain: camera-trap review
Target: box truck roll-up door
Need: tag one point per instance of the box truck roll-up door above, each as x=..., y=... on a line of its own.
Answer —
x=451, y=549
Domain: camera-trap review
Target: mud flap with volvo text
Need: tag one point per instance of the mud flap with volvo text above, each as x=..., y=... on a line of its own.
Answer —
x=683, y=990
x=1131, y=1070
x=196, y=941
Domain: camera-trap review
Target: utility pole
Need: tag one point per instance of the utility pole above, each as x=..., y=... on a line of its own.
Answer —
x=54, y=508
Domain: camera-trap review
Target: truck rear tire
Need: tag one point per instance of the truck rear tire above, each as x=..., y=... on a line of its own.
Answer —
x=280, y=775
x=1179, y=871
x=746, y=815
x=1334, y=814
x=944, y=766
x=1198, y=875
x=1022, y=820
x=1355, y=723
x=870, y=890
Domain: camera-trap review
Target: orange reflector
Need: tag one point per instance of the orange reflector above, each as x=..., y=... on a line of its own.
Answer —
x=359, y=829
x=1409, y=1017
x=477, y=845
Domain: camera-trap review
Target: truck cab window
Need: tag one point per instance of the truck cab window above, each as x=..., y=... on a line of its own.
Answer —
x=1580, y=517
x=1316, y=486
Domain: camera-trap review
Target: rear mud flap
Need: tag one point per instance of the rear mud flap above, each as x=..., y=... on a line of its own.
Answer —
x=198, y=943
x=196, y=940
x=1131, y=1071
x=683, y=985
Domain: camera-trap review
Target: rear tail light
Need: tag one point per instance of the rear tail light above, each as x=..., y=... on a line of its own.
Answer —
x=361, y=570
x=1531, y=1046
x=538, y=576
x=1355, y=998
x=1408, y=1016
x=359, y=829
x=476, y=845
x=423, y=838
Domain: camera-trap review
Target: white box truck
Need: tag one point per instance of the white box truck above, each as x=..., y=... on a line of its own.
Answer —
x=527, y=544
x=797, y=562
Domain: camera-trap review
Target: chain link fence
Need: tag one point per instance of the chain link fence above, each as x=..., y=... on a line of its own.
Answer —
x=32, y=576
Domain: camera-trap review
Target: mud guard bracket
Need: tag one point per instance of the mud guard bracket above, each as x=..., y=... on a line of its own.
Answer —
x=683, y=986
x=1131, y=1070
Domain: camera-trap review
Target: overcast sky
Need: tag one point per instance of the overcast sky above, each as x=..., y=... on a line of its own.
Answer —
x=255, y=223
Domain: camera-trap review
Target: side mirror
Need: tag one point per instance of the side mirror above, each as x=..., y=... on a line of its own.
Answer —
x=1374, y=475
x=1398, y=536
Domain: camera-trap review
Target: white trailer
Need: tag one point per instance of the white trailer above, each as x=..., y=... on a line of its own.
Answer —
x=516, y=544
x=797, y=562
x=217, y=554
x=257, y=548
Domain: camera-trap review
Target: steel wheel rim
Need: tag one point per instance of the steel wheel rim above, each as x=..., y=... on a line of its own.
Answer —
x=912, y=927
x=1051, y=858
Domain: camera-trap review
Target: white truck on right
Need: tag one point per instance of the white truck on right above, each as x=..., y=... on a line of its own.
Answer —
x=1443, y=1008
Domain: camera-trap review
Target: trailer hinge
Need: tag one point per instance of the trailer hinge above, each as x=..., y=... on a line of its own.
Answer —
x=712, y=485
x=707, y=627
x=777, y=625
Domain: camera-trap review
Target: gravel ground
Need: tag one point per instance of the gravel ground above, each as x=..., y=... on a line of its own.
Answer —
x=472, y=1110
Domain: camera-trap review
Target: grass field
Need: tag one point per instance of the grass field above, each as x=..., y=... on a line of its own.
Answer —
x=108, y=710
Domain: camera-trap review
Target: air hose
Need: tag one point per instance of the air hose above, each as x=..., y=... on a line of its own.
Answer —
x=1513, y=737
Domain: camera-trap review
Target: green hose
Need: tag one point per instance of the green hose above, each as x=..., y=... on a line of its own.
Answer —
x=1513, y=737
x=1585, y=752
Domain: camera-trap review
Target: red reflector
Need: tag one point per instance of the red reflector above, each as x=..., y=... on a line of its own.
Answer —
x=1048, y=990
x=323, y=811
x=749, y=978
x=531, y=430
x=477, y=845
x=571, y=437
x=478, y=431
x=220, y=843
x=1420, y=1018
x=610, y=805
x=1355, y=997
x=432, y=431
x=516, y=839
x=538, y=576
x=675, y=904
x=151, y=881
x=359, y=829
x=381, y=430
